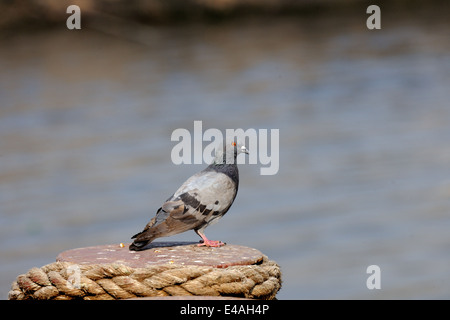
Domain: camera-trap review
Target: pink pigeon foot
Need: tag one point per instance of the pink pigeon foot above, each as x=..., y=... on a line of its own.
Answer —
x=209, y=243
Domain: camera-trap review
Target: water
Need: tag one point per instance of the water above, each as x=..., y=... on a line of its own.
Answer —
x=86, y=119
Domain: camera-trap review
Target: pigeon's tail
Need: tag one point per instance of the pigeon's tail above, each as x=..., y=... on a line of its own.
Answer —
x=141, y=240
x=138, y=245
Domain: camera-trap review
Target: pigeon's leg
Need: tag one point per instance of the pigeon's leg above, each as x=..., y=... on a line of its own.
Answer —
x=207, y=242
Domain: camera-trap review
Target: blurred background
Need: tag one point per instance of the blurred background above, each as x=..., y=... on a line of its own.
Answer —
x=86, y=118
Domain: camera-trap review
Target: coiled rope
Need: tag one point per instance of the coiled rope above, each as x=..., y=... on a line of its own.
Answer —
x=117, y=281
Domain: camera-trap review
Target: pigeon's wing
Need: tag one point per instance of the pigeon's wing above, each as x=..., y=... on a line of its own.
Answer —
x=165, y=222
x=204, y=196
x=206, y=193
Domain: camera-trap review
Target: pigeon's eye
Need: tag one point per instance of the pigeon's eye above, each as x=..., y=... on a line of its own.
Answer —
x=233, y=144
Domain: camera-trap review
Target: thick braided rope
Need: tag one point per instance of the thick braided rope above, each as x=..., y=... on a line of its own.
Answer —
x=116, y=281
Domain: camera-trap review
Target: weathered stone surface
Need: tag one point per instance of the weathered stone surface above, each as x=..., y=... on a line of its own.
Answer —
x=181, y=253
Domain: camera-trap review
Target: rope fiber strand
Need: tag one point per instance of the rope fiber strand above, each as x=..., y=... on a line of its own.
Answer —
x=65, y=281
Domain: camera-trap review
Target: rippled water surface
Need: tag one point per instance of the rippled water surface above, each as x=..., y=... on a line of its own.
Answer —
x=86, y=119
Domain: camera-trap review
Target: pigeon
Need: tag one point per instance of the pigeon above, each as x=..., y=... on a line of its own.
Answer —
x=199, y=202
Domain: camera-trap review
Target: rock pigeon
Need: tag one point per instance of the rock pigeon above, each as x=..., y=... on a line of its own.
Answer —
x=200, y=201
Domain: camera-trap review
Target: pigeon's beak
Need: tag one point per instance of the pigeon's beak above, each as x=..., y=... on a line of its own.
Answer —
x=244, y=150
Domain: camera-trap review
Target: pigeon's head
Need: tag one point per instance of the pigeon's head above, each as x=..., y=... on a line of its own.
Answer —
x=238, y=148
x=227, y=153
